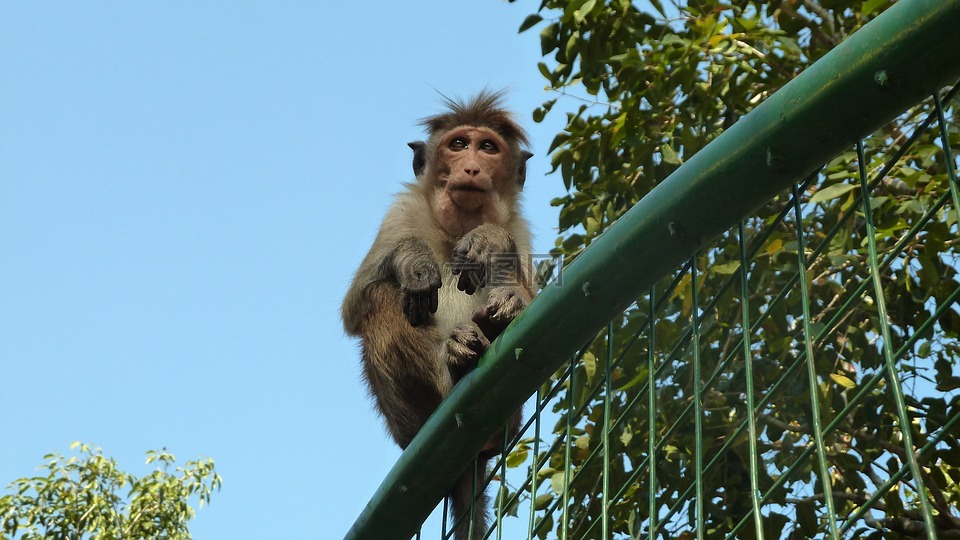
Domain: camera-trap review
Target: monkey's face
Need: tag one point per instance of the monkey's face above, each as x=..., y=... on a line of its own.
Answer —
x=473, y=166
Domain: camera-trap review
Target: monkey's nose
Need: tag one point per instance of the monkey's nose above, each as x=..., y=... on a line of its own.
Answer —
x=472, y=169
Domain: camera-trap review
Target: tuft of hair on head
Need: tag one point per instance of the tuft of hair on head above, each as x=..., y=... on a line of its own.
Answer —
x=483, y=110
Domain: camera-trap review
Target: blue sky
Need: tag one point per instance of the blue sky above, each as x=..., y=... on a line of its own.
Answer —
x=185, y=191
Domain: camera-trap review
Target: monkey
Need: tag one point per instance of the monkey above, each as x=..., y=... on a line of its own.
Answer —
x=446, y=274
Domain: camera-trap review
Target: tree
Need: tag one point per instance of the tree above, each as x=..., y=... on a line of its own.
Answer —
x=83, y=497
x=650, y=84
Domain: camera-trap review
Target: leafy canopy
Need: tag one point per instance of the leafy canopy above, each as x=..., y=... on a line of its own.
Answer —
x=88, y=496
x=644, y=86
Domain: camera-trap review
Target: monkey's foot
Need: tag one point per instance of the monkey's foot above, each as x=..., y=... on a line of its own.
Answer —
x=462, y=350
x=503, y=305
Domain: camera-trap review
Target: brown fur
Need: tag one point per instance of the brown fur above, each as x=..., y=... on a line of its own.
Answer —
x=485, y=110
x=445, y=275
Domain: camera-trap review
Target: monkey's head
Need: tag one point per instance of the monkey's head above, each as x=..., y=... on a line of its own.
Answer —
x=473, y=163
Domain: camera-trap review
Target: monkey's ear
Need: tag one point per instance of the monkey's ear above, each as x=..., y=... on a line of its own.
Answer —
x=419, y=156
x=522, y=171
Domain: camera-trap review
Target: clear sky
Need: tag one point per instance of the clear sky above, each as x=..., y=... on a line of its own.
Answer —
x=185, y=191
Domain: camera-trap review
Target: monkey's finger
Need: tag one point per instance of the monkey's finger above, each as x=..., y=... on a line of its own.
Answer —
x=410, y=310
x=468, y=336
x=491, y=328
x=507, y=311
x=405, y=307
x=473, y=281
x=458, y=263
x=423, y=306
x=481, y=318
x=480, y=345
x=459, y=354
x=434, y=300
x=412, y=315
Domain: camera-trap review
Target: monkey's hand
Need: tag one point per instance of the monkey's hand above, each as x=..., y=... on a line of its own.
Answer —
x=485, y=255
x=462, y=350
x=420, y=282
x=503, y=305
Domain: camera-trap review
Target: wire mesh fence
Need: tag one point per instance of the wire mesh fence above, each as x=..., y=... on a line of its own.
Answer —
x=790, y=381
x=792, y=378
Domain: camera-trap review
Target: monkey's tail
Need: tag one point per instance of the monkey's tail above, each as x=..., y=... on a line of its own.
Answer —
x=471, y=522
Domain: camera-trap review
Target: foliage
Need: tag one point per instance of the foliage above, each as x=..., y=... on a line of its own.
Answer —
x=650, y=84
x=82, y=497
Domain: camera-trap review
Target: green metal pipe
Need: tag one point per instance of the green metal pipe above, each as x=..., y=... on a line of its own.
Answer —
x=904, y=55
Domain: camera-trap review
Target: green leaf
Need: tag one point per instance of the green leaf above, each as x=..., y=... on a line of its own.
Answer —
x=774, y=246
x=592, y=225
x=529, y=22
x=726, y=268
x=543, y=501
x=831, y=192
x=544, y=70
x=669, y=154
x=556, y=482
x=590, y=365
x=581, y=14
x=627, y=435
x=843, y=380
x=870, y=6
x=949, y=384
x=548, y=39
x=582, y=442
x=516, y=458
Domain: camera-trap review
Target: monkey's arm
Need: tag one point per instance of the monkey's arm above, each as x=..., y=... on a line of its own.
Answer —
x=418, y=274
x=411, y=266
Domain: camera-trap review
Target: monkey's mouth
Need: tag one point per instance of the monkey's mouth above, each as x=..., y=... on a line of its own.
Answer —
x=467, y=196
x=469, y=188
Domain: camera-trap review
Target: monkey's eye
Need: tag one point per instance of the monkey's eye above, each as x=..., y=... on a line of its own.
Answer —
x=458, y=144
x=489, y=147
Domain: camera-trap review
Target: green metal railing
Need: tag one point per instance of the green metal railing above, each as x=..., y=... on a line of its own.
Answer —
x=656, y=345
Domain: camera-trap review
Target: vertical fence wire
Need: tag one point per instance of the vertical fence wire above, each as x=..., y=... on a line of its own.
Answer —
x=567, y=451
x=606, y=426
x=697, y=400
x=748, y=374
x=815, y=418
x=948, y=154
x=651, y=416
x=502, y=466
x=893, y=378
x=534, y=468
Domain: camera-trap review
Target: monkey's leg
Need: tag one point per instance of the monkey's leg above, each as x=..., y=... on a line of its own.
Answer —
x=462, y=349
x=466, y=492
x=503, y=305
x=418, y=274
x=400, y=364
x=460, y=352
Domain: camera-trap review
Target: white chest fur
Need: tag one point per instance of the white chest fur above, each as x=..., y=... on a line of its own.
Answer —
x=456, y=306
